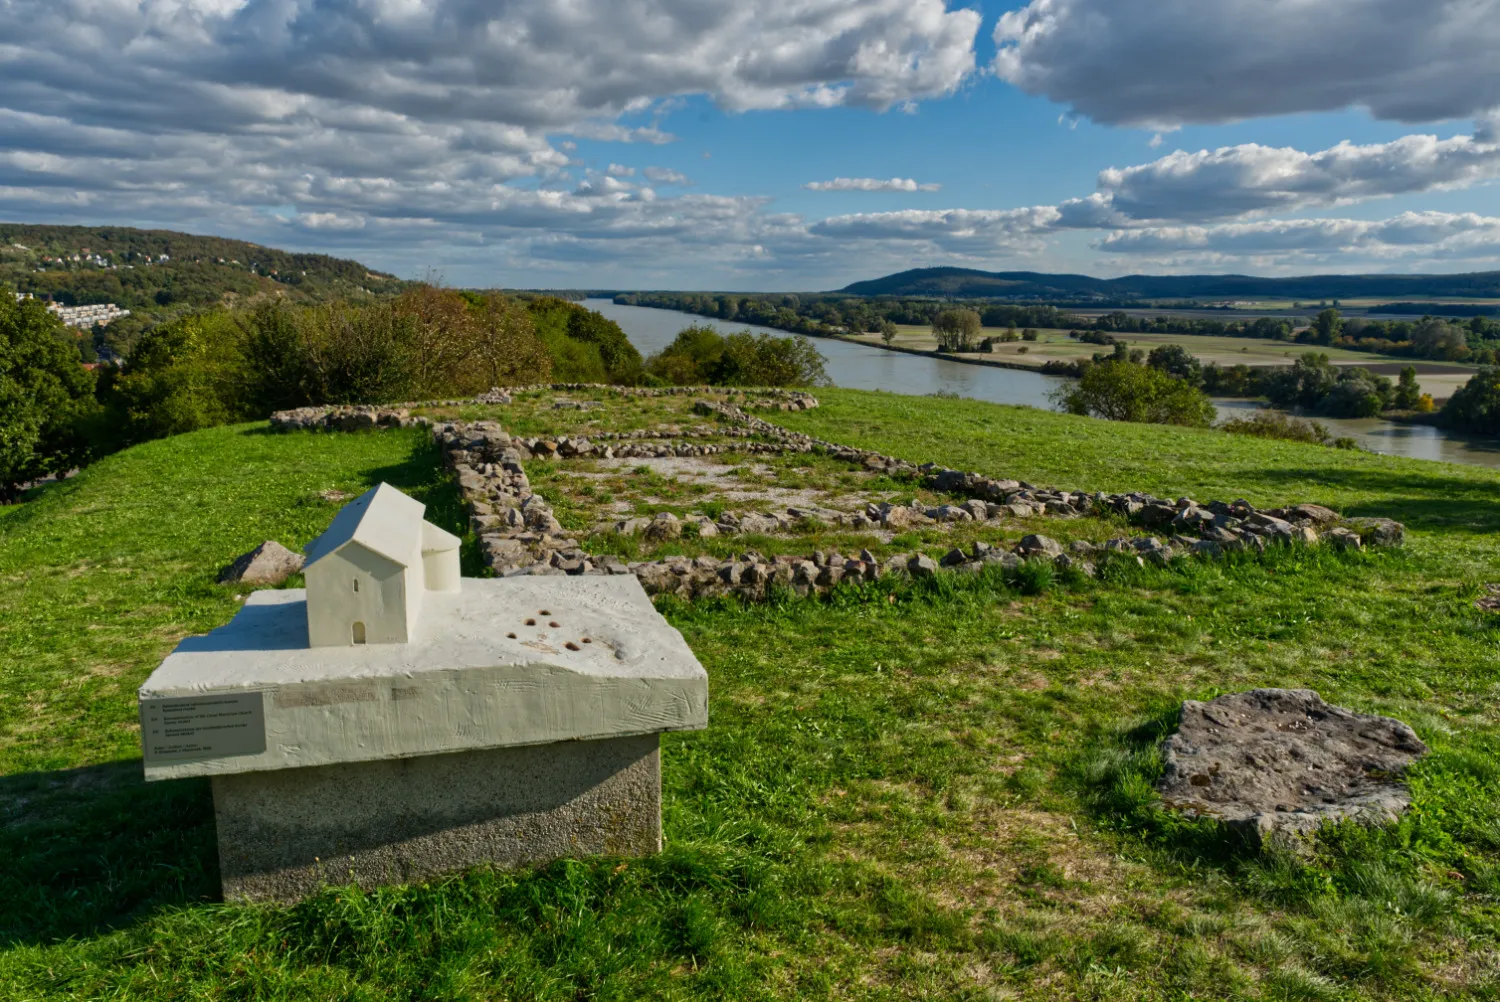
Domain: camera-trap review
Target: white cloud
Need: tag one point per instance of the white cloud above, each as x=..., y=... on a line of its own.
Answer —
x=1165, y=63
x=870, y=184
x=664, y=175
x=957, y=231
x=367, y=118
x=1238, y=180
x=1410, y=234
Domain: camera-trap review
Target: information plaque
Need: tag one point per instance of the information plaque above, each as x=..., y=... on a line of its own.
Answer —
x=209, y=726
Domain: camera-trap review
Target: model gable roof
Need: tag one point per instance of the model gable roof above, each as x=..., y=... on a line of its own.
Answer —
x=382, y=520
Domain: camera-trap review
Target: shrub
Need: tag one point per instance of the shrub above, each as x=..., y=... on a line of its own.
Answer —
x=1123, y=391
x=1274, y=424
x=703, y=355
x=1475, y=407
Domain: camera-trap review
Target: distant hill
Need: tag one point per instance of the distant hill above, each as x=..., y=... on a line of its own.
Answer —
x=161, y=272
x=970, y=284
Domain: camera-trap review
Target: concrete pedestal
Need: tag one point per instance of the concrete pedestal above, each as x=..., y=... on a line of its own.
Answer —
x=520, y=724
x=284, y=834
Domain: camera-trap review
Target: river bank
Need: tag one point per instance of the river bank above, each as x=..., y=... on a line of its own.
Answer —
x=862, y=366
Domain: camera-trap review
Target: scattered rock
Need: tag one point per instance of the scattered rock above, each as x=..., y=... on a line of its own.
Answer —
x=1039, y=545
x=270, y=563
x=1378, y=531
x=663, y=527
x=1274, y=764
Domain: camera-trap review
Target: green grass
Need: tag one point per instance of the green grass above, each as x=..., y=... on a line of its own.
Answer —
x=931, y=790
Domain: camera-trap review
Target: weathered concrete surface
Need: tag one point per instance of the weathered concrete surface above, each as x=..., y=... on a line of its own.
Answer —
x=283, y=835
x=505, y=662
x=1274, y=764
x=270, y=563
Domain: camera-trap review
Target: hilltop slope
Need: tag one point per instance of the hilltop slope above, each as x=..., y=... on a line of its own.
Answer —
x=157, y=270
x=969, y=284
x=939, y=789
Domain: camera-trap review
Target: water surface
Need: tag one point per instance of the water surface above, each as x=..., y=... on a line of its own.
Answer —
x=862, y=367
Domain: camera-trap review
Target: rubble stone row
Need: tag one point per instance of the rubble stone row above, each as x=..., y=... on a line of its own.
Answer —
x=520, y=534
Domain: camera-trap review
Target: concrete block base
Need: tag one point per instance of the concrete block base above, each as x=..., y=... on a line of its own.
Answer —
x=284, y=834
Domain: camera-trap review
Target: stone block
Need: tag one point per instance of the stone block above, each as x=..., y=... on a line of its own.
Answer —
x=285, y=834
x=519, y=724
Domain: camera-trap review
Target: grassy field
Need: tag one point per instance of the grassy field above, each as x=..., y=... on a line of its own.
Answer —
x=1056, y=346
x=936, y=790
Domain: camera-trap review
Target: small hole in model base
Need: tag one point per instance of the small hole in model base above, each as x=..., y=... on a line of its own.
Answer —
x=543, y=612
x=554, y=625
x=510, y=636
x=531, y=622
x=588, y=640
x=572, y=646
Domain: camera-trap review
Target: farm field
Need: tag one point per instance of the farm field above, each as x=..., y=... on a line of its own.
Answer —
x=935, y=789
x=1439, y=379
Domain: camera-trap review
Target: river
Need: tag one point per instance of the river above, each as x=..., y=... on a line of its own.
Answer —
x=861, y=367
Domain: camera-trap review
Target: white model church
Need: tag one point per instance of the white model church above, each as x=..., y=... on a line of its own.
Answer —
x=367, y=575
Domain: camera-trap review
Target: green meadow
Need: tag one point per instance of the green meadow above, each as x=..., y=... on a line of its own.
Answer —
x=933, y=789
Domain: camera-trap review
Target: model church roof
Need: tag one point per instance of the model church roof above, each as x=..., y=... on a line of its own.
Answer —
x=384, y=521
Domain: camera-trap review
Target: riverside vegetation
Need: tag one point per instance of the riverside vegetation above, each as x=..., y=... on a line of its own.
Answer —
x=221, y=366
x=909, y=788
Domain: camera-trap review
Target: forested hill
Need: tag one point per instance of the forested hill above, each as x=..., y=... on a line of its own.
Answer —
x=158, y=271
x=968, y=283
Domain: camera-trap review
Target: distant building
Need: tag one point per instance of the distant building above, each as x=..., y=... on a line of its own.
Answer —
x=82, y=317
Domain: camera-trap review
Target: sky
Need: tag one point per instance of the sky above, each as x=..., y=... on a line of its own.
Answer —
x=768, y=144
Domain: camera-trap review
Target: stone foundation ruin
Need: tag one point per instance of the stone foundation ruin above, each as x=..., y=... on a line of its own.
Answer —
x=519, y=532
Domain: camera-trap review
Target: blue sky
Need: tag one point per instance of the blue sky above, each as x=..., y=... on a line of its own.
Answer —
x=658, y=144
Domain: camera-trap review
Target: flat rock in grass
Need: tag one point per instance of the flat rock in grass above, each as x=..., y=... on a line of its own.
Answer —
x=1274, y=764
x=270, y=563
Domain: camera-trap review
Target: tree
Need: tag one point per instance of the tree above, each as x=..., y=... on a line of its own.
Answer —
x=182, y=376
x=1303, y=384
x=1327, y=327
x=1408, y=393
x=1475, y=407
x=1123, y=391
x=46, y=395
x=1357, y=394
x=955, y=330
x=703, y=355
x=1175, y=360
x=1029, y=334
x=887, y=332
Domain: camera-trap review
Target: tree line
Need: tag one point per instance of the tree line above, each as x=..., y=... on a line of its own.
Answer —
x=1437, y=338
x=228, y=365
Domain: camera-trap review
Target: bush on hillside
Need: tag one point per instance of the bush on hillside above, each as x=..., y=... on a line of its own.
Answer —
x=46, y=395
x=1124, y=391
x=703, y=355
x=1475, y=407
x=184, y=375
x=585, y=346
x=1274, y=424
